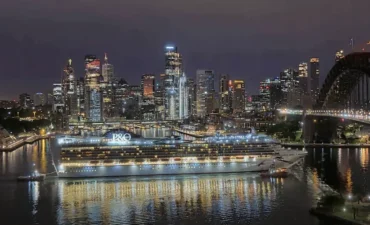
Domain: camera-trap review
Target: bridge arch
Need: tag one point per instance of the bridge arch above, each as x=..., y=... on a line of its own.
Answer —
x=343, y=78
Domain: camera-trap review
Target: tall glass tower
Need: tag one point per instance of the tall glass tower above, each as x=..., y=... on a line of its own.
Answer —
x=173, y=71
x=93, y=95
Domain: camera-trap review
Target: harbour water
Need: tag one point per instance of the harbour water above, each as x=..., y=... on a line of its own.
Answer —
x=242, y=198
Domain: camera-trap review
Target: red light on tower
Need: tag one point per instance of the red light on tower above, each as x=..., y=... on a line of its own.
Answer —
x=342, y=119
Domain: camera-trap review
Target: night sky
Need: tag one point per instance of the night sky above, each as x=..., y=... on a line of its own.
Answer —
x=249, y=39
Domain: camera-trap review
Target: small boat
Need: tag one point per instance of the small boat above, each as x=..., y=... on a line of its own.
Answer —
x=275, y=173
x=34, y=177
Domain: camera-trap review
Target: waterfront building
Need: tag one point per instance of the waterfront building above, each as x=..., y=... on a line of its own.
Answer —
x=205, y=92
x=69, y=90
x=224, y=94
x=93, y=94
x=122, y=93
x=173, y=71
x=25, y=101
x=39, y=99
x=238, y=96
x=314, y=76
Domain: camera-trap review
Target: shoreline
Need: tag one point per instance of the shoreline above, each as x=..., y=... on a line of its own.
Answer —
x=332, y=216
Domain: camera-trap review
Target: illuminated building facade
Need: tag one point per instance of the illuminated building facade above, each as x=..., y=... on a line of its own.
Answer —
x=183, y=98
x=314, y=76
x=238, y=96
x=39, y=99
x=224, y=94
x=107, y=87
x=290, y=87
x=58, y=104
x=69, y=91
x=148, y=85
x=192, y=91
x=205, y=92
x=173, y=71
x=80, y=94
x=93, y=94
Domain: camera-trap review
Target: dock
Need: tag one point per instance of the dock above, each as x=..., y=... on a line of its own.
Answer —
x=21, y=142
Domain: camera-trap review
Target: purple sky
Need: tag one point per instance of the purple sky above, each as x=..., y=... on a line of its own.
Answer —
x=248, y=39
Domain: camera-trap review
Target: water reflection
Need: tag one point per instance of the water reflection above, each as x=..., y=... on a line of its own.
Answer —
x=144, y=200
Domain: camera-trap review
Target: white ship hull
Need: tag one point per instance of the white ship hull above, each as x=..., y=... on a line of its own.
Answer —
x=175, y=169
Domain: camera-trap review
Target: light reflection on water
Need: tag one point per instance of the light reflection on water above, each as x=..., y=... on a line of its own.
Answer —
x=191, y=199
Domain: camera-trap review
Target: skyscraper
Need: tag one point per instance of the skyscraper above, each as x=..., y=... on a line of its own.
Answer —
x=173, y=71
x=314, y=76
x=239, y=96
x=205, y=92
x=39, y=99
x=93, y=95
x=107, y=70
x=107, y=88
x=69, y=90
x=339, y=55
x=58, y=104
x=80, y=94
x=183, y=98
x=224, y=93
x=290, y=87
x=25, y=100
x=148, y=85
x=303, y=78
x=192, y=107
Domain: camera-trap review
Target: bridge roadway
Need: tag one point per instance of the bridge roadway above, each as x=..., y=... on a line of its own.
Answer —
x=360, y=116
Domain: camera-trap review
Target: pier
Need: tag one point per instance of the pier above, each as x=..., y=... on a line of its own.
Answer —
x=22, y=141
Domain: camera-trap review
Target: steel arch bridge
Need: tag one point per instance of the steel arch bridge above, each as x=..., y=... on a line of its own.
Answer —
x=347, y=84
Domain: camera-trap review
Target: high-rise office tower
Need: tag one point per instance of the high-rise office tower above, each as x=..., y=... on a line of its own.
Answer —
x=121, y=96
x=183, y=98
x=58, y=103
x=147, y=91
x=80, y=94
x=69, y=90
x=290, y=87
x=339, y=55
x=173, y=71
x=159, y=97
x=314, y=76
x=205, y=92
x=276, y=94
x=148, y=85
x=93, y=94
x=107, y=88
x=39, y=99
x=25, y=101
x=303, y=77
x=238, y=96
x=192, y=107
x=224, y=93
x=107, y=70
x=265, y=94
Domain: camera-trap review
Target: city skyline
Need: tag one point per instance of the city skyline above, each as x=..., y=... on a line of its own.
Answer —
x=37, y=48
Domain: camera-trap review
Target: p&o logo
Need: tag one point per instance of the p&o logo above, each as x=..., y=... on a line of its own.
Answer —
x=119, y=137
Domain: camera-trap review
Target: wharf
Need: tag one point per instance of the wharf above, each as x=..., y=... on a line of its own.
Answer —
x=322, y=145
x=21, y=142
x=340, y=217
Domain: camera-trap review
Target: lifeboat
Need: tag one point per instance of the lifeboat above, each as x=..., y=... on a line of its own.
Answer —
x=214, y=158
x=165, y=160
x=201, y=158
x=240, y=157
x=154, y=160
x=108, y=161
x=177, y=159
x=124, y=161
x=226, y=158
x=94, y=162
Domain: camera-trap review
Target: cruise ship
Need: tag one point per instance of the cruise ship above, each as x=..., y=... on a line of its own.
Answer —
x=120, y=153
